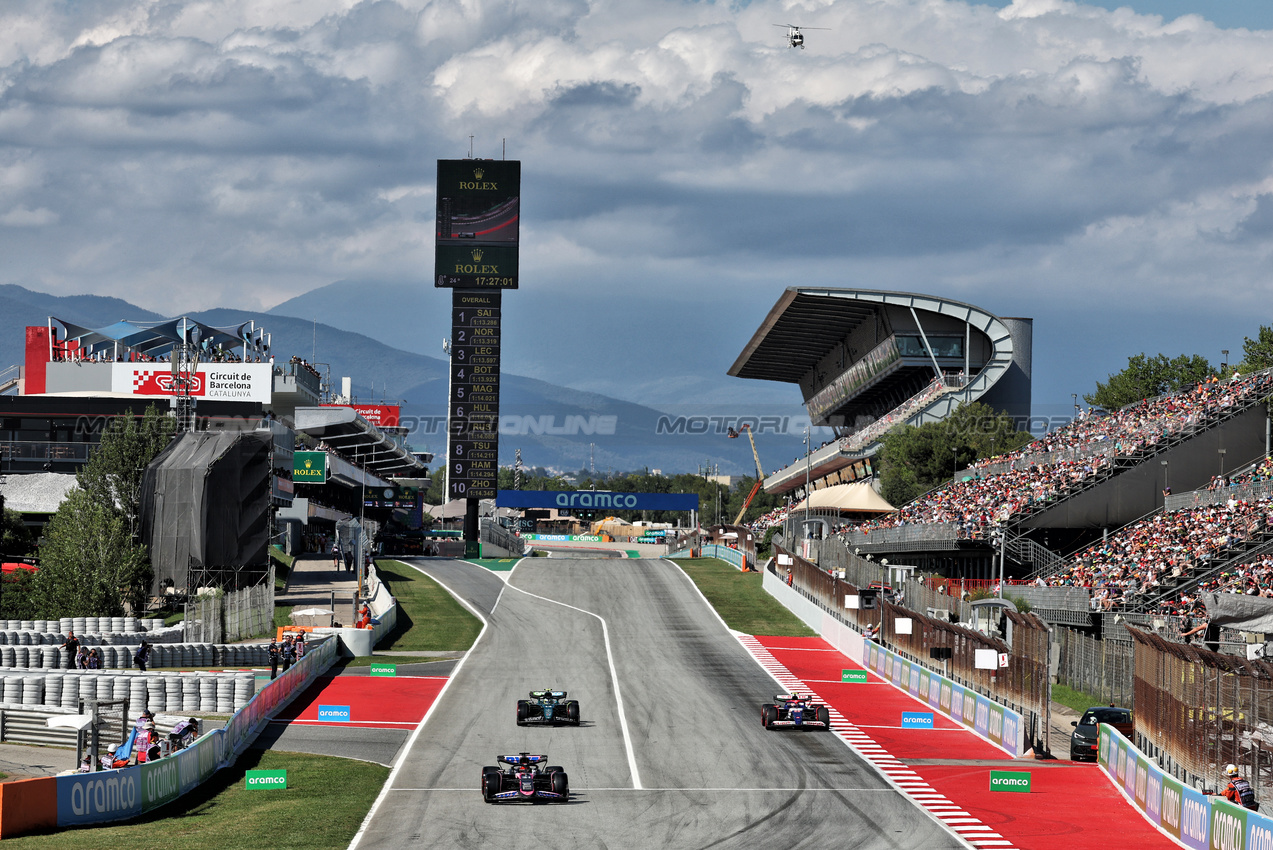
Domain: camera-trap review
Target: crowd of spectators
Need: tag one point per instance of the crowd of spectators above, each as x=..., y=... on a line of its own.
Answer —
x=304, y=364
x=999, y=488
x=1169, y=546
x=1145, y=554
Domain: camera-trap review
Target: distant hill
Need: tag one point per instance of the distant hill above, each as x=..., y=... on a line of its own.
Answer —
x=624, y=435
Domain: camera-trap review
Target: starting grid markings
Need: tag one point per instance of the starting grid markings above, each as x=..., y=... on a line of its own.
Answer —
x=910, y=783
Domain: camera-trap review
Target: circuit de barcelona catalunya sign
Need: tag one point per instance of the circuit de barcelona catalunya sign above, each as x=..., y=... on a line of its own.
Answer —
x=566, y=500
x=215, y=381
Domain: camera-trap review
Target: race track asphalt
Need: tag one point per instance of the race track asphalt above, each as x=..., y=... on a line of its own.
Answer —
x=706, y=773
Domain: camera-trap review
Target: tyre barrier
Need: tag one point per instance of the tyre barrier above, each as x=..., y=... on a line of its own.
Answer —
x=44, y=656
x=81, y=799
x=85, y=625
x=206, y=693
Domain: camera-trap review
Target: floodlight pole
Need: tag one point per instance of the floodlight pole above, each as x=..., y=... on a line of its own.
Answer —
x=808, y=464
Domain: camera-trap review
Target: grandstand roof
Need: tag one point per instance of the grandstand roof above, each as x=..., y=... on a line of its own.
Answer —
x=807, y=323
x=157, y=339
x=800, y=329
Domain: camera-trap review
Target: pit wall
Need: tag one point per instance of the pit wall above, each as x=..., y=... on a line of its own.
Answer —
x=111, y=795
x=987, y=719
x=1190, y=817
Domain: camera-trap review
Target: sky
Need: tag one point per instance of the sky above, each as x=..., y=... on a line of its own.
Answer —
x=1106, y=169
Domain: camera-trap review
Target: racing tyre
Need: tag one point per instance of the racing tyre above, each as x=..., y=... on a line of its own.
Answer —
x=768, y=714
x=572, y=711
x=824, y=716
x=523, y=711
x=560, y=783
x=490, y=783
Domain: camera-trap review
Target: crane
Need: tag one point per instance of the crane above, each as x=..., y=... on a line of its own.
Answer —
x=760, y=472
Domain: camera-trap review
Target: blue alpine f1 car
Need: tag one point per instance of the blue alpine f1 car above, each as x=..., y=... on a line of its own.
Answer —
x=795, y=710
x=547, y=706
x=525, y=778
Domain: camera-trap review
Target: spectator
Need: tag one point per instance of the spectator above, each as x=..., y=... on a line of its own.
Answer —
x=142, y=656
x=94, y=660
x=289, y=653
x=273, y=652
x=72, y=647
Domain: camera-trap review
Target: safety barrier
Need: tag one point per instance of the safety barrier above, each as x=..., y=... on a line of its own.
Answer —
x=384, y=608
x=988, y=719
x=52, y=657
x=1194, y=819
x=85, y=625
x=88, y=798
x=734, y=557
x=220, y=693
x=28, y=724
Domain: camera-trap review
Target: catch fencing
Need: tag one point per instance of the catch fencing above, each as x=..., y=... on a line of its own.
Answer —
x=225, y=617
x=1022, y=685
x=1198, y=711
x=1103, y=668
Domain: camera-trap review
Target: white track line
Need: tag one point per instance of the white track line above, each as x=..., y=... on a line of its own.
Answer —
x=730, y=790
x=397, y=765
x=614, y=678
x=967, y=828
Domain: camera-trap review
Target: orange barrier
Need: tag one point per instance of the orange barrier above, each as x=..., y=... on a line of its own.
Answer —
x=291, y=630
x=27, y=805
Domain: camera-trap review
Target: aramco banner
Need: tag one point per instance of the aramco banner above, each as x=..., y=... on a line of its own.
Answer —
x=592, y=500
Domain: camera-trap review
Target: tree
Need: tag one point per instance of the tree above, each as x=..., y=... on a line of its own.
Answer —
x=914, y=460
x=113, y=473
x=1146, y=377
x=16, y=540
x=1257, y=353
x=90, y=565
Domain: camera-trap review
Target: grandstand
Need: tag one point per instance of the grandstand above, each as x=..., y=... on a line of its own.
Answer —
x=867, y=360
x=1056, y=495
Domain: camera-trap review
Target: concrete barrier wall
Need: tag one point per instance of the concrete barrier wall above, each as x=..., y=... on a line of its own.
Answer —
x=87, y=798
x=728, y=554
x=1185, y=814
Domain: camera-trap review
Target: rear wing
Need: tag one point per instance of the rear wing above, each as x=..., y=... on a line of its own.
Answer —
x=785, y=697
x=552, y=694
x=517, y=759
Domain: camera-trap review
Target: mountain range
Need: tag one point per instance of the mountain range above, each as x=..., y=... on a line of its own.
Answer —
x=555, y=426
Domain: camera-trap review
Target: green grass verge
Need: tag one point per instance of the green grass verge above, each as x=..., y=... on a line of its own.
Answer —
x=1078, y=700
x=741, y=601
x=325, y=801
x=499, y=565
x=283, y=615
x=174, y=618
x=368, y=660
x=282, y=567
x=429, y=618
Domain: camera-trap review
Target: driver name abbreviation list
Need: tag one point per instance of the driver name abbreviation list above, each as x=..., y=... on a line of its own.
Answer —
x=473, y=455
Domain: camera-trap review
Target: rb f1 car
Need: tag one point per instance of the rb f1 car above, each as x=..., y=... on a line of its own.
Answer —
x=524, y=777
x=795, y=710
x=547, y=706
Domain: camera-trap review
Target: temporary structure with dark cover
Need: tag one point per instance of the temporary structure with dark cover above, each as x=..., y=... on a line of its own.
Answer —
x=206, y=505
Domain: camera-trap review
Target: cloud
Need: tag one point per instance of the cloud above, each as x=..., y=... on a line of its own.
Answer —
x=195, y=153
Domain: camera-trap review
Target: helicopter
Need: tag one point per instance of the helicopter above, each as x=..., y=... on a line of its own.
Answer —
x=795, y=38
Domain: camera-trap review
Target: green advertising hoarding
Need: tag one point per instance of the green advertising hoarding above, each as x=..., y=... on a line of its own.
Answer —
x=266, y=780
x=384, y=669
x=309, y=467
x=856, y=676
x=1010, y=780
